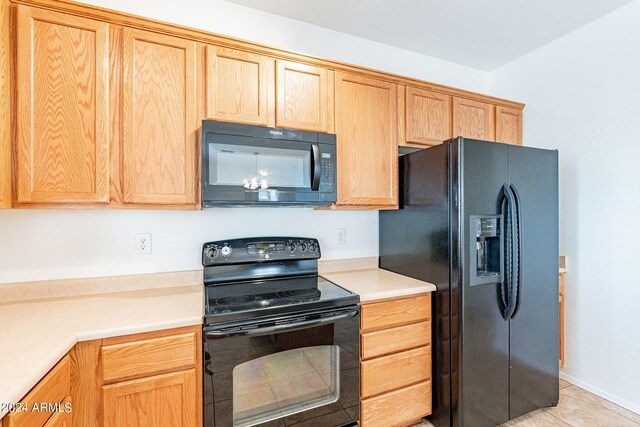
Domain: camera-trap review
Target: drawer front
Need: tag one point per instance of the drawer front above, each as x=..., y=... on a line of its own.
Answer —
x=147, y=357
x=394, y=340
x=387, y=314
x=392, y=372
x=397, y=408
x=52, y=389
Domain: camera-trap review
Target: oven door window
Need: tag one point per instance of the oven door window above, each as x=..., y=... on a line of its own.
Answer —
x=257, y=167
x=285, y=383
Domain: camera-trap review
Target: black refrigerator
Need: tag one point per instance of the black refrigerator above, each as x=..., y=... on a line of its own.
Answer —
x=480, y=220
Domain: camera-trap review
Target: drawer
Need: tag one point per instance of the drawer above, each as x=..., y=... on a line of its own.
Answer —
x=397, y=408
x=394, y=340
x=52, y=389
x=379, y=315
x=392, y=372
x=135, y=359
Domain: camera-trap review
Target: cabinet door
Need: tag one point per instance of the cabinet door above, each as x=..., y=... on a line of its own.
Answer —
x=473, y=119
x=167, y=400
x=160, y=127
x=61, y=419
x=366, y=127
x=305, y=97
x=428, y=117
x=62, y=141
x=240, y=86
x=5, y=106
x=509, y=125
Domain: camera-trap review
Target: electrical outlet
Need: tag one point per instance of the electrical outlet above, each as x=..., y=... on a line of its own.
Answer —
x=342, y=236
x=143, y=244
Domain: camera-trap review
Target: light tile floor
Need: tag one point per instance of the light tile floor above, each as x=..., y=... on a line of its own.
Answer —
x=577, y=408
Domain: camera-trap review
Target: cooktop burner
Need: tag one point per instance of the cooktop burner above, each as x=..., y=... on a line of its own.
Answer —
x=265, y=297
x=299, y=294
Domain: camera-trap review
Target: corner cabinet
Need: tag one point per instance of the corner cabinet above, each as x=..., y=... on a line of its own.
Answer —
x=160, y=122
x=366, y=128
x=62, y=128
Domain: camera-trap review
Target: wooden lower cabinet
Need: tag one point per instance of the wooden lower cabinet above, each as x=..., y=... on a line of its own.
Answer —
x=53, y=390
x=561, y=316
x=402, y=407
x=395, y=368
x=62, y=418
x=162, y=400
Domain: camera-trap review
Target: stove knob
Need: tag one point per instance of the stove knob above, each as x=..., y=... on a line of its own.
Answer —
x=211, y=253
x=225, y=251
x=313, y=246
x=302, y=247
x=291, y=247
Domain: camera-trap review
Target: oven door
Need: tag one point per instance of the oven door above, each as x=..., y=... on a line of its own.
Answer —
x=283, y=371
x=241, y=170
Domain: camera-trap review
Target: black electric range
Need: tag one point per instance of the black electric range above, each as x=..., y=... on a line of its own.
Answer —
x=273, y=325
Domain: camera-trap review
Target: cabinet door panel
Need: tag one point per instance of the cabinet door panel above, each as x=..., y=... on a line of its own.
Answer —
x=366, y=127
x=305, y=97
x=509, y=125
x=163, y=400
x=428, y=117
x=473, y=119
x=160, y=129
x=5, y=105
x=62, y=108
x=240, y=86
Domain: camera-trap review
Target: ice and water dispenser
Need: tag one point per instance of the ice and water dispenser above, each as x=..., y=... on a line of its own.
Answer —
x=487, y=249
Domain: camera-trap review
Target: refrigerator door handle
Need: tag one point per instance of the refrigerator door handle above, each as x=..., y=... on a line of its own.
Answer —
x=517, y=254
x=512, y=252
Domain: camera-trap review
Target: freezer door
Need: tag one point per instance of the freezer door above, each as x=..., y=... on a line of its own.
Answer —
x=534, y=324
x=480, y=388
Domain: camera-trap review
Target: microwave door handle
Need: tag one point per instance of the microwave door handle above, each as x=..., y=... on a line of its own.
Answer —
x=315, y=167
x=222, y=333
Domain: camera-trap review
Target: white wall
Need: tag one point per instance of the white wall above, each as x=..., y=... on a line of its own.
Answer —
x=230, y=19
x=38, y=245
x=583, y=98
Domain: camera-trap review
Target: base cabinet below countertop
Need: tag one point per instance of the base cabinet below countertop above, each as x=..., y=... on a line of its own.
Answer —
x=147, y=379
x=395, y=367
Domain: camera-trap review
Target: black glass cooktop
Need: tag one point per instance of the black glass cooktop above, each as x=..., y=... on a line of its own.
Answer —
x=269, y=297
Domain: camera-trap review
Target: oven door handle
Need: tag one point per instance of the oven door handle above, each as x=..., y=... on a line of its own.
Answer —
x=234, y=332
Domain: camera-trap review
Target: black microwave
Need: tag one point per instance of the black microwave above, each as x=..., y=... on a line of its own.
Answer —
x=247, y=165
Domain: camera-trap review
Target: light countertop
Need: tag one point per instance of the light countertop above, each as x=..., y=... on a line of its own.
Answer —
x=36, y=334
x=372, y=283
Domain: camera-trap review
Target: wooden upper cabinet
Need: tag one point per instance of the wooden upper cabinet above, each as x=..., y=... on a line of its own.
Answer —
x=304, y=97
x=62, y=128
x=162, y=400
x=5, y=105
x=366, y=128
x=160, y=121
x=240, y=86
x=473, y=119
x=509, y=125
x=427, y=117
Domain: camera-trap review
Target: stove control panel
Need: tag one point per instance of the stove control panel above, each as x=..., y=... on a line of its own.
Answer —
x=259, y=249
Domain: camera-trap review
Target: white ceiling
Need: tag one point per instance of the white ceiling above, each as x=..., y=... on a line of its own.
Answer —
x=482, y=34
